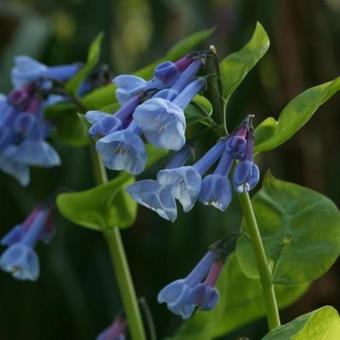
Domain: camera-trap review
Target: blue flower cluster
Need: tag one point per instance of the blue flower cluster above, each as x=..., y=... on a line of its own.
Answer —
x=19, y=258
x=153, y=109
x=187, y=184
x=23, y=129
x=196, y=290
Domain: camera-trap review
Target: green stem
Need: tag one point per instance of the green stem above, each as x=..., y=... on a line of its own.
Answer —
x=120, y=263
x=273, y=317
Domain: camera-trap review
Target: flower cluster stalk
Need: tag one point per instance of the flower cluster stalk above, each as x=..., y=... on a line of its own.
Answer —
x=272, y=311
x=120, y=264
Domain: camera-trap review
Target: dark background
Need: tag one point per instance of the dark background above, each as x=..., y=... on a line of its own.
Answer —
x=76, y=295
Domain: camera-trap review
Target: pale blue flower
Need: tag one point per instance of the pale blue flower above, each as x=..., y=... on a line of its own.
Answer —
x=19, y=258
x=246, y=176
x=116, y=331
x=176, y=294
x=26, y=70
x=123, y=150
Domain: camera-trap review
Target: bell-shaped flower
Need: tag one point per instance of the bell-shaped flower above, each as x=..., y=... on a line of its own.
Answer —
x=162, y=121
x=26, y=70
x=216, y=188
x=205, y=294
x=116, y=331
x=176, y=294
x=123, y=150
x=19, y=258
x=185, y=182
x=156, y=197
x=246, y=176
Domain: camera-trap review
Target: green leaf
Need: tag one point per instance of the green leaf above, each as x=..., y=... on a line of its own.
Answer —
x=73, y=130
x=241, y=301
x=236, y=66
x=321, y=324
x=300, y=229
x=199, y=111
x=101, y=97
x=271, y=133
x=92, y=59
x=104, y=207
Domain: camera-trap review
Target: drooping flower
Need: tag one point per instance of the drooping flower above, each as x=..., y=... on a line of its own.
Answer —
x=27, y=70
x=154, y=196
x=116, y=331
x=216, y=188
x=20, y=258
x=123, y=150
x=162, y=120
x=198, y=289
x=176, y=293
x=176, y=181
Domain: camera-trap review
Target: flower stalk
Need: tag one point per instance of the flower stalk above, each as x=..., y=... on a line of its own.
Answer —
x=272, y=311
x=120, y=264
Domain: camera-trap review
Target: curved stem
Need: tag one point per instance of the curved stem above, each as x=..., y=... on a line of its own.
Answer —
x=120, y=263
x=273, y=317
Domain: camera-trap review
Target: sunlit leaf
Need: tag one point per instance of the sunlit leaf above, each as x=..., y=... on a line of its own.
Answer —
x=321, y=324
x=300, y=230
x=271, y=133
x=236, y=66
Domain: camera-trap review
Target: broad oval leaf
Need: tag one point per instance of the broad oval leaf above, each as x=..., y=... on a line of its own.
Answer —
x=271, y=133
x=241, y=301
x=237, y=65
x=320, y=324
x=300, y=229
x=93, y=56
x=104, y=207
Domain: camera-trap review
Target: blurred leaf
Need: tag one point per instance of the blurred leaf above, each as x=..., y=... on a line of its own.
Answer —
x=300, y=230
x=73, y=130
x=236, y=66
x=104, y=207
x=182, y=48
x=321, y=324
x=101, y=97
x=241, y=301
x=271, y=133
x=93, y=56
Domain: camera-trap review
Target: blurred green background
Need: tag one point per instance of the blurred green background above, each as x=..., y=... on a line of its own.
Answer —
x=76, y=294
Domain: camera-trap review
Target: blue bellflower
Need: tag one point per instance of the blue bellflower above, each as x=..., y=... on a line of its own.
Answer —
x=27, y=69
x=177, y=181
x=162, y=121
x=123, y=150
x=156, y=197
x=216, y=188
x=116, y=331
x=197, y=290
x=165, y=75
x=20, y=258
